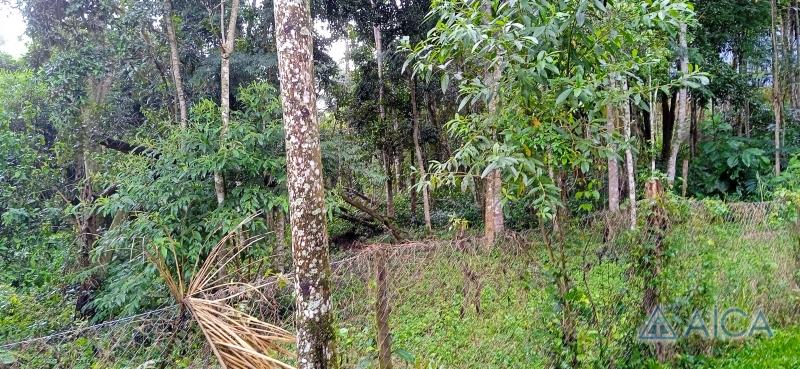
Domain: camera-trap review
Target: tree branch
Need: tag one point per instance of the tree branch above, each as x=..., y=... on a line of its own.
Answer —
x=396, y=233
x=127, y=148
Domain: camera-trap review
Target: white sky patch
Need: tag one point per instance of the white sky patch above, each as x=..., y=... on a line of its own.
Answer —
x=12, y=31
x=14, y=41
x=337, y=48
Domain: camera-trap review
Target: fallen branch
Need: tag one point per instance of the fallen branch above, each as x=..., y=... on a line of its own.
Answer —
x=396, y=233
x=127, y=148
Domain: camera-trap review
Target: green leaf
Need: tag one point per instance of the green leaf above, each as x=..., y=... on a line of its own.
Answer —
x=405, y=355
x=584, y=166
x=7, y=358
x=563, y=96
x=599, y=4
x=364, y=362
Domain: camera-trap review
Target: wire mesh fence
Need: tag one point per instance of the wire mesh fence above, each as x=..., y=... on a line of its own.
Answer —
x=578, y=293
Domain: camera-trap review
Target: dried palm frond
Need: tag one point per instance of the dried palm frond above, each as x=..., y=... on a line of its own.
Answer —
x=238, y=340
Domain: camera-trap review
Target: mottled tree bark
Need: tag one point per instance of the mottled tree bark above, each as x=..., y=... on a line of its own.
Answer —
x=777, y=100
x=175, y=63
x=314, y=318
x=682, y=113
x=426, y=206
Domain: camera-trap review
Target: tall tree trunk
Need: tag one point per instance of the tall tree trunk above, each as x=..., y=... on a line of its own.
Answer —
x=314, y=315
x=412, y=195
x=398, y=159
x=387, y=152
x=226, y=50
x=174, y=108
x=613, y=164
x=387, y=165
x=426, y=206
x=87, y=221
x=795, y=29
x=668, y=104
x=493, y=210
x=444, y=144
x=747, y=117
x=629, y=163
x=777, y=100
x=175, y=62
x=652, y=121
x=685, y=176
x=681, y=109
x=786, y=56
x=443, y=150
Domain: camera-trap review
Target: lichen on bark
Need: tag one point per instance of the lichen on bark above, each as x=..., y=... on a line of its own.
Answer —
x=314, y=318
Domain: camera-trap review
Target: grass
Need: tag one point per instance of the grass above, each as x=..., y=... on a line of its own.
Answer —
x=434, y=320
x=519, y=323
x=778, y=352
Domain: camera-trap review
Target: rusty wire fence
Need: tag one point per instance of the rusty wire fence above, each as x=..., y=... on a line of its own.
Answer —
x=573, y=295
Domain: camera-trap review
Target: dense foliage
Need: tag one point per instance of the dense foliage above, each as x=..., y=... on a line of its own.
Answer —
x=435, y=116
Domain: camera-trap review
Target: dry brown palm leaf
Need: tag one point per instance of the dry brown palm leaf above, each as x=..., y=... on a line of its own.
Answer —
x=238, y=340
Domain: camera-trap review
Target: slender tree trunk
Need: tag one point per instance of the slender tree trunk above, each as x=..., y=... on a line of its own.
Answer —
x=652, y=263
x=685, y=175
x=444, y=145
x=786, y=56
x=175, y=62
x=382, y=311
x=398, y=158
x=412, y=195
x=613, y=164
x=668, y=104
x=174, y=108
x=494, y=223
x=629, y=163
x=387, y=152
x=795, y=29
x=387, y=165
x=681, y=109
x=747, y=117
x=426, y=206
x=777, y=100
x=279, y=226
x=652, y=120
x=314, y=315
x=226, y=50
